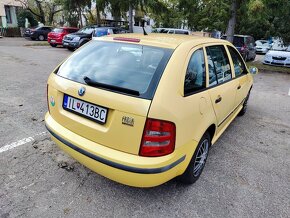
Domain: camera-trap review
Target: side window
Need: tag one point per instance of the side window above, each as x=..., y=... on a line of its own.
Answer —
x=195, y=74
x=239, y=65
x=218, y=65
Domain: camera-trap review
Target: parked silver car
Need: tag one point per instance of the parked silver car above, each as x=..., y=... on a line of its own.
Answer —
x=262, y=46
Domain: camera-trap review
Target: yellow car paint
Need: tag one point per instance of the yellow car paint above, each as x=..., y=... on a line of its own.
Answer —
x=112, y=149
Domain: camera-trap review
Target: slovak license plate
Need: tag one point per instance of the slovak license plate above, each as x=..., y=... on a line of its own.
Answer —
x=85, y=109
x=52, y=40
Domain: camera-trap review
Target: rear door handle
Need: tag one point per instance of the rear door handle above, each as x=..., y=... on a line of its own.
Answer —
x=218, y=100
x=239, y=87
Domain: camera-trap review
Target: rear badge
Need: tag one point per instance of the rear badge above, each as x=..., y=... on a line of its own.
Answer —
x=82, y=91
x=129, y=121
x=52, y=101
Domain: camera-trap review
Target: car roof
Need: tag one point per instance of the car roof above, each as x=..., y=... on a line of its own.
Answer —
x=67, y=27
x=163, y=40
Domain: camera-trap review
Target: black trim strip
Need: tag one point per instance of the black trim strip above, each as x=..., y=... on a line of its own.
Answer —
x=231, y=113
x=117, y=165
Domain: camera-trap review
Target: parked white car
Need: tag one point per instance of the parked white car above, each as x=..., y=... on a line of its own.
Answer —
x=278, y=57
x=172, y=31
x=262, y=46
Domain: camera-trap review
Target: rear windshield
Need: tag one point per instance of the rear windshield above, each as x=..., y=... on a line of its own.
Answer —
x=238, y=41
x=57, y=30
x=128, y=66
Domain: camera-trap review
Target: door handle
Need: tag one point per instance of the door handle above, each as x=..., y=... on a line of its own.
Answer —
x=239, y=87
x=218, y=100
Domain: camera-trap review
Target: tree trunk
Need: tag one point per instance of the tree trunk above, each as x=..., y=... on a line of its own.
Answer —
x=98, y=18
x=42, y=14
x=130, y=18
x=232, y=21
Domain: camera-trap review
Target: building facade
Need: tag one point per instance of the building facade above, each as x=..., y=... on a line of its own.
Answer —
x=8, y=9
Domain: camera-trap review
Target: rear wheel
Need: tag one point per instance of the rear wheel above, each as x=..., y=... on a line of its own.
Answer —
x=245, y=105
x=197, y=163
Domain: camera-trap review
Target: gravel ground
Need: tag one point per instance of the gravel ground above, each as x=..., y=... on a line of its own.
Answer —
x=247, y=173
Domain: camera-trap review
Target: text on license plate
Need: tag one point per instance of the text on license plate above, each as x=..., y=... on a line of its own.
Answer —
x=85, y=109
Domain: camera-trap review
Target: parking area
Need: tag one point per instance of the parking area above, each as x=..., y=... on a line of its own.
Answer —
x=247, y=173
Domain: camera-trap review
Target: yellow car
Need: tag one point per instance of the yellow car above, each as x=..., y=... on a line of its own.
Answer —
x=143, y=109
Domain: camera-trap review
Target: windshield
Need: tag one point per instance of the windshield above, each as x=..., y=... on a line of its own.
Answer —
x=262, y=43
x=57, y=30
x=128, y=66
x=86, y=30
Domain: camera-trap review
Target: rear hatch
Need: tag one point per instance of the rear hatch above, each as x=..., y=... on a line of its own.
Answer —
x=56, y=33
x=116, y=81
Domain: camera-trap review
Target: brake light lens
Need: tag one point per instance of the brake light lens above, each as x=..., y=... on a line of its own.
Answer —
x=126, y=39
x=243, y=48
x=158, y=138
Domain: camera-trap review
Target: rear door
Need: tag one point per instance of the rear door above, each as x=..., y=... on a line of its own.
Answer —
x=222, y=87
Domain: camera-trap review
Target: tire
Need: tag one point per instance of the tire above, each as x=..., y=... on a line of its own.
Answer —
x=245, y=106
x=197, y=162
x=53, y=45
x=41, y=38
x=70, y=48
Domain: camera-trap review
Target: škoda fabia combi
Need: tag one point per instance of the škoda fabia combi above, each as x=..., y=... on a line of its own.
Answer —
x=143, y=109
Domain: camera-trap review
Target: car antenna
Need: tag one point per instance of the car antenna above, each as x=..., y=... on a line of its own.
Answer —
x=143, y=27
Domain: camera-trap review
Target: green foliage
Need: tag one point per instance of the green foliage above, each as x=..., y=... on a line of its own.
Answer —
x=22, y=14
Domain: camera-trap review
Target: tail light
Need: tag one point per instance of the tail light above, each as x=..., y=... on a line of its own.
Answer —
x=243, y=48
x=158, y=138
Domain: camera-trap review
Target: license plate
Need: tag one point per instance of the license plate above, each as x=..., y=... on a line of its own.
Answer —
x=52, y=40
x=278, y=62
x=65, y=43
x=85, y=109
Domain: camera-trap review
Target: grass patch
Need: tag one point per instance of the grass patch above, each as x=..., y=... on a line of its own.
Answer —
x=38, y=44
x=265, y=67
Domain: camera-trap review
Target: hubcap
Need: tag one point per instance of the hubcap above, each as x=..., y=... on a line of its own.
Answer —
x=200, y=158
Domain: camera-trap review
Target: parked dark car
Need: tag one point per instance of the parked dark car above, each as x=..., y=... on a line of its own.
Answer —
x=245, y=45
x=55, y=37
x=84, y=35
x=39, y=33
x=75, y=40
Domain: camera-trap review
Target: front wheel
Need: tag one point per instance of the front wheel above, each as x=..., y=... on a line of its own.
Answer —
x=53, y=45
x=197, y=163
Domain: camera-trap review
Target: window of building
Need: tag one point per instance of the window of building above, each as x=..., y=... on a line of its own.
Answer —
x=8, y=14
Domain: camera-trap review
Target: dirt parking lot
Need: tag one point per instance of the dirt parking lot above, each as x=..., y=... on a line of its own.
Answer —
x=247, y=173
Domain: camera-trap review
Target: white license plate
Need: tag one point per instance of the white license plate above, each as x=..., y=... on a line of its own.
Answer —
x=65, y=43
x=278, y=62
x=85, y=109
x=52, y=40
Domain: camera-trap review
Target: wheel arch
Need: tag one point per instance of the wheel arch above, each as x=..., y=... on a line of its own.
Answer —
x=211, y=130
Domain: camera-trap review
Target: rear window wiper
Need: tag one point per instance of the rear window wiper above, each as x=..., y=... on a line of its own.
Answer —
x=93, y=83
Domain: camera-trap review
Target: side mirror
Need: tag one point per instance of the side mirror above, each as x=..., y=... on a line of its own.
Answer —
x=253, y=70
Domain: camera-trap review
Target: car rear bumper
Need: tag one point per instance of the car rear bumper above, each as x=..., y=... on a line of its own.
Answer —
x=54, y=41
x=125, y=168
